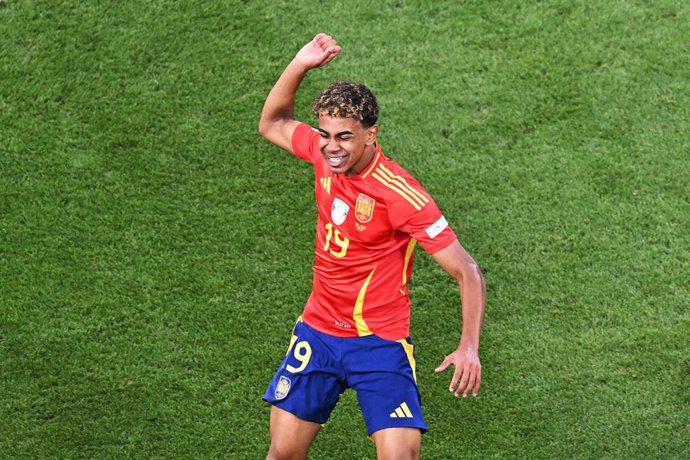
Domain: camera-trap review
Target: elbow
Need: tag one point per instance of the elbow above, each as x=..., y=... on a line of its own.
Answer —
x=263, y=127
x=470, y=274
x=476, y=274
x=266, y=124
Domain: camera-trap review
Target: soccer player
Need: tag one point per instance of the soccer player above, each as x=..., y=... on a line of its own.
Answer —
x=354, y=329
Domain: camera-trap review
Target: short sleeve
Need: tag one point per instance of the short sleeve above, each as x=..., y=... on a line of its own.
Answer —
x=430, y=228
x=305, y=143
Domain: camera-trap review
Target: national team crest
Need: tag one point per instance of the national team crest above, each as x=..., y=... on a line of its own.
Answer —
x=283, y=387
x=339, y=210
x=364, y=209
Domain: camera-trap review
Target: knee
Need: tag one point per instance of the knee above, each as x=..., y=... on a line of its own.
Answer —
x=283, y=451
x=276, y=455
x=401, y=453
x=398, y=444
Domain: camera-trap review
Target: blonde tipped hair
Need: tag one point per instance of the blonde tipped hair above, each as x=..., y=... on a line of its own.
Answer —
x=347, y=99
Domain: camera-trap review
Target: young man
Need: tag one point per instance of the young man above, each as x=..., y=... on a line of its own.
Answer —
x=354, y=330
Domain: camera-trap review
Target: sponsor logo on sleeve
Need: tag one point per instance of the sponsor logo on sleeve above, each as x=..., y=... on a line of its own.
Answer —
x=437, y=227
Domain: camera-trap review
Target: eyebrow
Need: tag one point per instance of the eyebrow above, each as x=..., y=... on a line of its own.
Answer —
x=341, y=133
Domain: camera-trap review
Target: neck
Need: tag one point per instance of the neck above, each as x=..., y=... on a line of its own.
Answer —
x=365, y=161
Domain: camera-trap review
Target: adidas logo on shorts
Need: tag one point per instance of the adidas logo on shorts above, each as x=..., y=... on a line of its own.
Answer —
x=402, y=412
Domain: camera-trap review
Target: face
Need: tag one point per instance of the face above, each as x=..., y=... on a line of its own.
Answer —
x=346, y=145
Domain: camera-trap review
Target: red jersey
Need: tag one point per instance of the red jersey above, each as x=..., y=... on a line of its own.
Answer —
x=366, y=232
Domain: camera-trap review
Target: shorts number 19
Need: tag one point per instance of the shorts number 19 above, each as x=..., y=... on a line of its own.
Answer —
x=302, y=352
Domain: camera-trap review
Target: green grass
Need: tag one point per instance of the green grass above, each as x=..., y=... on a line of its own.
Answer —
x=155, y=251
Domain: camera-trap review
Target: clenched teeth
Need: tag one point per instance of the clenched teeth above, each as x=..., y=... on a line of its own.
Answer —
x=336, y=161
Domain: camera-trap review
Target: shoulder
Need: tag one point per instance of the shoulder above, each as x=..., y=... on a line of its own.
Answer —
x=305, y=141
x=397, y=186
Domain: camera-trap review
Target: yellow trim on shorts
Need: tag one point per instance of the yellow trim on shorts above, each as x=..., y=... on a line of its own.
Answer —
x=409, y=351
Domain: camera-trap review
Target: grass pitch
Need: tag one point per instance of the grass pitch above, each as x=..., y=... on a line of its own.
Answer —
x=155, y=251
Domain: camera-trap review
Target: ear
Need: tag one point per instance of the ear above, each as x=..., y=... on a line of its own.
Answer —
x=371, y=134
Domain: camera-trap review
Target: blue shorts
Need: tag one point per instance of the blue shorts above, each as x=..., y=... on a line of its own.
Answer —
x=319, y=367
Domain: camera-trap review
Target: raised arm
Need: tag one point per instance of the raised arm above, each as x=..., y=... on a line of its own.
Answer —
x=277, y=121
x=467, y=375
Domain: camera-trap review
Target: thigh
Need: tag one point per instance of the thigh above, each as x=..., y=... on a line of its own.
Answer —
x=398, y=443
x=309, y=382
x=291, y=436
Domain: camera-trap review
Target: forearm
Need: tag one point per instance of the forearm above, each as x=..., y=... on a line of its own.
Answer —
x=467, y=376
x=280, y=103
x=277, y=123
x=473, y=300
x=460, y=265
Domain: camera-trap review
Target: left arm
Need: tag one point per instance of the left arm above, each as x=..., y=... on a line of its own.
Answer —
x=468, y=370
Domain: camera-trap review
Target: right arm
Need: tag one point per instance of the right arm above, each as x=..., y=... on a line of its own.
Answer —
x=277, y=121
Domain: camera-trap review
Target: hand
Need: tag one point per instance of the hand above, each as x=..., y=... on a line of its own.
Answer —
x=467, y=376
x=318, y=52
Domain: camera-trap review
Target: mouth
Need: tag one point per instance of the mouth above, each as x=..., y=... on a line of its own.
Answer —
x=336, y=161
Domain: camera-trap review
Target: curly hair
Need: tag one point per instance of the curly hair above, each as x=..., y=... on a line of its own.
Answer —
x=348, y=99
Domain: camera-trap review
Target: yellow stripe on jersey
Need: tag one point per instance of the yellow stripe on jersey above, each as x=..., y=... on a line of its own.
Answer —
x=419, y=195
x=397, y=190
x=409, y=351
x=408, y=256
x=400, y=186
x=357, y=314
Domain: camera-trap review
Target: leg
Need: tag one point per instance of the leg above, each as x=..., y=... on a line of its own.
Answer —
x=291, y=436
x=398, y=443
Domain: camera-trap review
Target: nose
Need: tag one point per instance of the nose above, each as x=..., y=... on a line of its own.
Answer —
x=332, y=145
